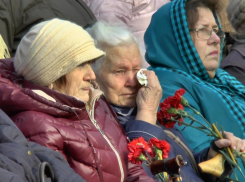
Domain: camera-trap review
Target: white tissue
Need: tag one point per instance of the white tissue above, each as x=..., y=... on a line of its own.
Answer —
x=141, y=77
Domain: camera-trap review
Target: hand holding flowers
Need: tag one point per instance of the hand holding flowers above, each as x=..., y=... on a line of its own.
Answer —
x=172, y=112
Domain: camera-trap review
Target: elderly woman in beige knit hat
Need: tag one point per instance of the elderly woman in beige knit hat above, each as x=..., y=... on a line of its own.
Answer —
x=234, y=63
x=48, y=92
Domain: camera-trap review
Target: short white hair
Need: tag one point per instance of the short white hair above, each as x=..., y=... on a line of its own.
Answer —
x=106, y=36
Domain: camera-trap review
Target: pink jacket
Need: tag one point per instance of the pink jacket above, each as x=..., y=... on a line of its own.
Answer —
x=134, y=14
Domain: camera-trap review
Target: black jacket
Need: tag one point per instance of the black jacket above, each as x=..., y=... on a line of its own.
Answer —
x=20, y=160
x=18, y=16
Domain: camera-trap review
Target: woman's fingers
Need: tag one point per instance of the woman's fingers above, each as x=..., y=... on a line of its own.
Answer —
x=221, y=143
x=243, y=146
x=231, y=141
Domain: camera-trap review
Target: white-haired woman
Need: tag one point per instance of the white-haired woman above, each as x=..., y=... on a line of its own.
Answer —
x=48, y=92
x=135, y=105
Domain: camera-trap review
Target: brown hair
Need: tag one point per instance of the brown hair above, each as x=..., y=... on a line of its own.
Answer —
x=192, y=11
x=60, y=82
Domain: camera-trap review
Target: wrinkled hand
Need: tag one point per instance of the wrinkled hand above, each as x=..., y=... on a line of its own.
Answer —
x=148, y=98
x=231, y=141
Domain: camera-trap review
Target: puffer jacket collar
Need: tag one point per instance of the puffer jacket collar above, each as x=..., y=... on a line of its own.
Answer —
x=36, y=97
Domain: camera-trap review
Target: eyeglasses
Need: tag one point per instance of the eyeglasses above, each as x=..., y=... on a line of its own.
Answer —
x=206, y=32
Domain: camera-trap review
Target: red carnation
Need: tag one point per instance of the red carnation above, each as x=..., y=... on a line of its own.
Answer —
x=176, y=99
x=135, y=151
x=169, y=109
x=161, y=145
x=137, y=148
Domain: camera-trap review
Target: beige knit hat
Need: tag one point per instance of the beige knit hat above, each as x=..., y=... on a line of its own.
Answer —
x=52, y=49
x=236, y=15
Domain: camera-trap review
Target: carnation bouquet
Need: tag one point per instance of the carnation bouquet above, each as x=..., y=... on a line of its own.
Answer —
x=172, y=112
x=155, y=155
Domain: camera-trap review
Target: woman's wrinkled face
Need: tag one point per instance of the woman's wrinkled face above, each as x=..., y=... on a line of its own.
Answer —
x=78, y=82
x=117, y=77
x=208, y=50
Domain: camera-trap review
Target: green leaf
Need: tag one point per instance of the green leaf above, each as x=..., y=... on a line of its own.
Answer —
x=227, y=157
x=202, y=127
x=231, y=162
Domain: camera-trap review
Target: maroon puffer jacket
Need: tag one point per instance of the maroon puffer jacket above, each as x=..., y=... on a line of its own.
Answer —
x=66, y=124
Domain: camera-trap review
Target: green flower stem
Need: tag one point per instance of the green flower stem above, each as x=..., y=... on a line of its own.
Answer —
x=228, y=148
x=183, y=114
x=199, y=114
x=192, y=127
x=159, y=157
x=162, y=177
x=209, y=129
x=193, y=119
x=227, y=153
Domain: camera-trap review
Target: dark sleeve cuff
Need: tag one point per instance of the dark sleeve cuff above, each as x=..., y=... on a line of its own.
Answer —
x=201, y=156
x=138, y=128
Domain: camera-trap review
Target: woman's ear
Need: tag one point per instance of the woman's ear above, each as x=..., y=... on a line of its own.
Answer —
x=51, y=86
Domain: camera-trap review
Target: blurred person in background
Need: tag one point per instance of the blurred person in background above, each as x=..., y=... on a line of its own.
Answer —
x=133, y=14
x=234, y=62
x=17, y=17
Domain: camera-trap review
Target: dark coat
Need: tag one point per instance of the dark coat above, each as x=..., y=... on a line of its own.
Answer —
x=18, y=16
x=234, y=62
x=20, y=160
x=90, y=137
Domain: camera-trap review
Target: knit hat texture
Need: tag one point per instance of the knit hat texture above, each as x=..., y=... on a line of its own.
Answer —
x=52, y=49
x=236, y=15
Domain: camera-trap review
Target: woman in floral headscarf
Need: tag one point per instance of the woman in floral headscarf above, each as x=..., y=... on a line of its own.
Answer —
x=183, y=43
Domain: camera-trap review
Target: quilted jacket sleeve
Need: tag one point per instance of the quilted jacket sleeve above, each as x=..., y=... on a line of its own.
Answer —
x=136, y=173
x=7, y=176
x=38, y=127
x=62, y=171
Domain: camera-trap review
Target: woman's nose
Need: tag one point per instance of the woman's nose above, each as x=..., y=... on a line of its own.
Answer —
x=214, y=38
x=131, y=80
x=90, y=75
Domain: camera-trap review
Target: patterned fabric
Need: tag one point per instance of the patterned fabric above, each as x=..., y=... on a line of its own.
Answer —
x=222, y=83
x=235, y=109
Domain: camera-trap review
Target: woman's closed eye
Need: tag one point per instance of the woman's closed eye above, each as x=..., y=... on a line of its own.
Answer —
x=120, y=72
